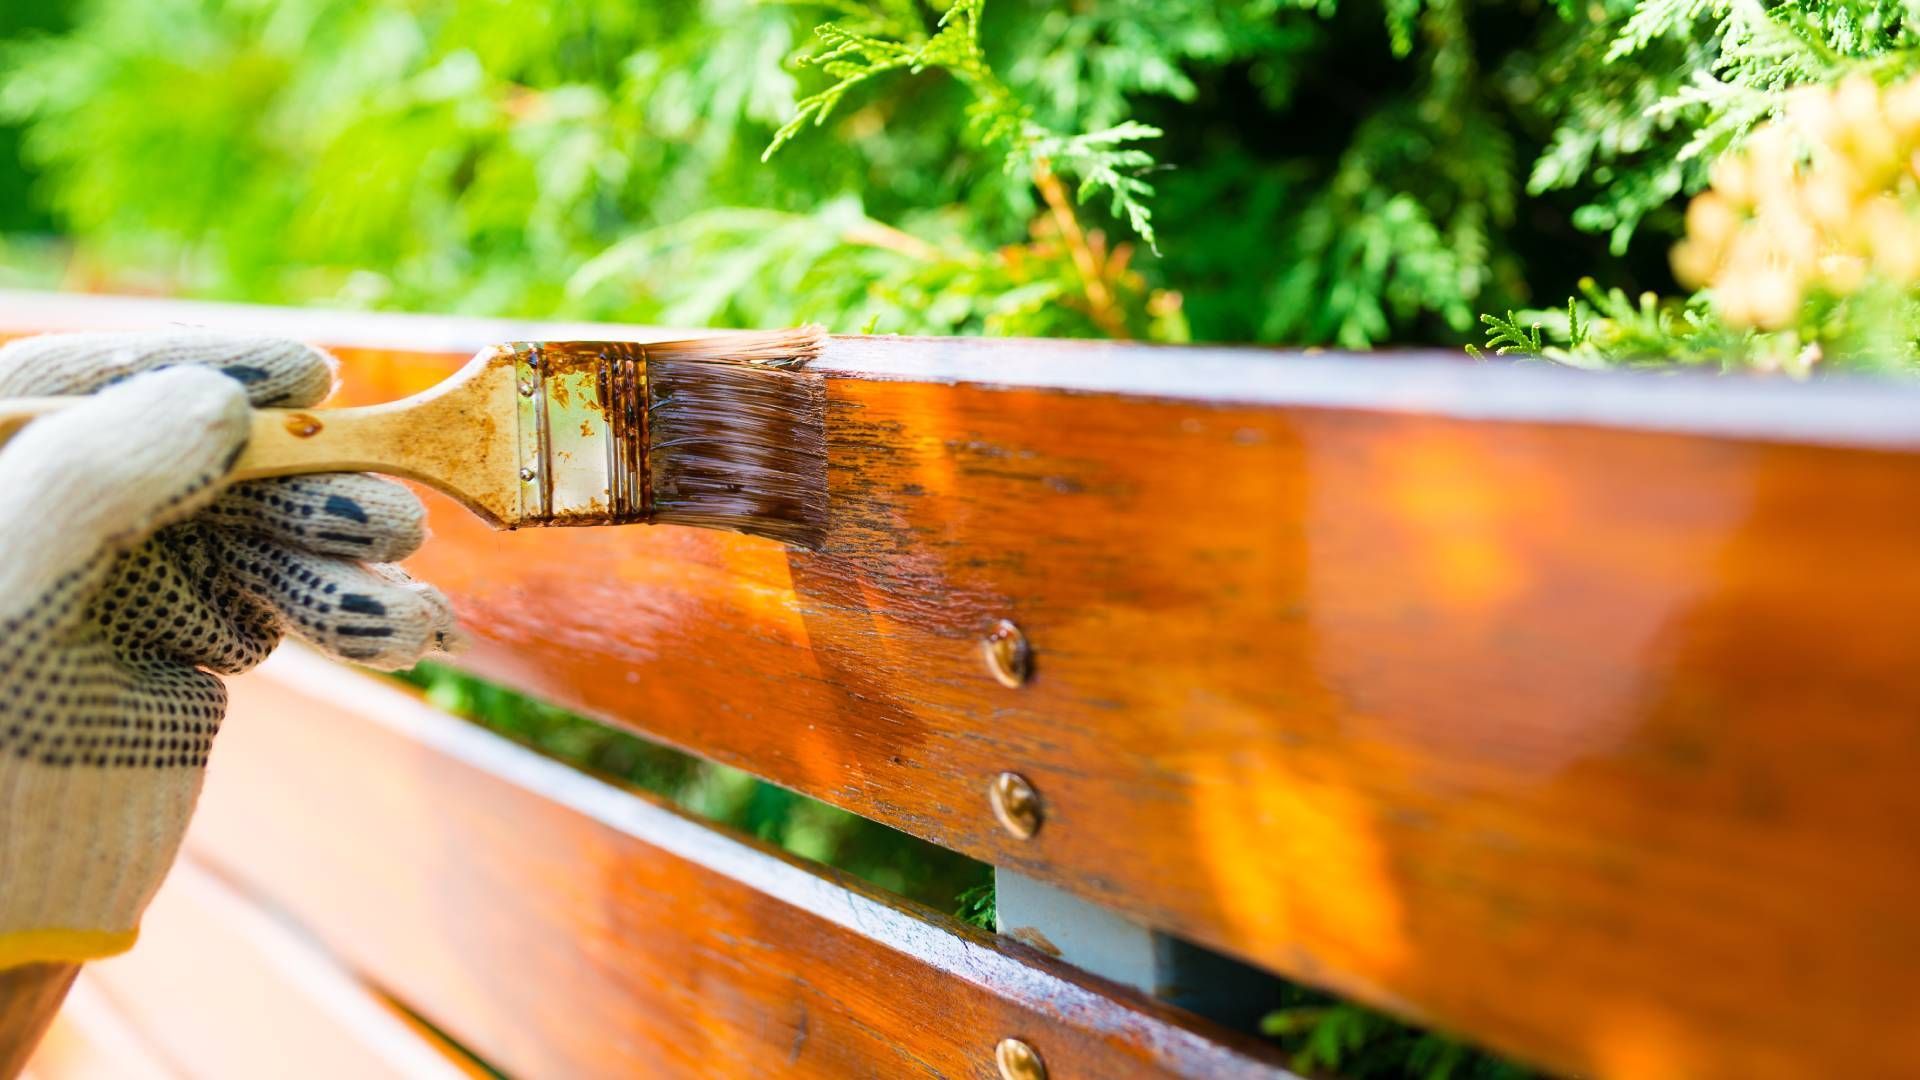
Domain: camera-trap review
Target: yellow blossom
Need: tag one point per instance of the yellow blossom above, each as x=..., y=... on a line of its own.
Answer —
x=1824, y=199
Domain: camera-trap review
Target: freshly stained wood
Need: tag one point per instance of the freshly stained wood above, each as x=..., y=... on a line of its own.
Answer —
x=225, y=990
x=560, y=926
x=1575, y=713
x=30, y=997
x=1421, y=709
x=90, y=1039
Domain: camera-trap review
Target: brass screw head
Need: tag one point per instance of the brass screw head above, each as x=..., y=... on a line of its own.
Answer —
x=1018, y=1061
x=1008, y=656
x=1016, y=804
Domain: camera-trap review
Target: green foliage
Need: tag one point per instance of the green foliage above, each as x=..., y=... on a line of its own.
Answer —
x=1648, y=95
x=978, y=907
x=1103, y=160
x=1356, y=1043
x=1307, y=174
x=1506, y=336
x=1297, y=170
x=1605, y=327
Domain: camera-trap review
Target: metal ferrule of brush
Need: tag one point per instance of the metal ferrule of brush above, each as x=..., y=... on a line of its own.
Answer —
x=717, y=433
x=582, y=432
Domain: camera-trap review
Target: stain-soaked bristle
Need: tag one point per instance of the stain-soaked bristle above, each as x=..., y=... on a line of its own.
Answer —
x=768, y=348
x=738, y=446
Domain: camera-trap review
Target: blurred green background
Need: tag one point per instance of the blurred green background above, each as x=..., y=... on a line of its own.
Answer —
x=1309, y=173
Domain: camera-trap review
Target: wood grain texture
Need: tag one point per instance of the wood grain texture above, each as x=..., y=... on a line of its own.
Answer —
x=560, y=926
x=1421, y=709
x=225, y=989
x=1424, y=683
x=30, y=997
x=91, y=1040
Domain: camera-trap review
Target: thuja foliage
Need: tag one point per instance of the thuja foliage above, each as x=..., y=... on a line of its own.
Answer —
x=1797, y=125
x=1360, y=1044
x=1105, y=161
x=1300, y=171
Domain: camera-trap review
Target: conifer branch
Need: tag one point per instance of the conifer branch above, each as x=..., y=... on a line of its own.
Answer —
x=1087, y=263
x=1106, y=162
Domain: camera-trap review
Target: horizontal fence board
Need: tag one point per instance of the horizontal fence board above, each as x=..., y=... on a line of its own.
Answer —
x=223, y=989
x=91, y=1039
x=560, y=926
x=1586, y=727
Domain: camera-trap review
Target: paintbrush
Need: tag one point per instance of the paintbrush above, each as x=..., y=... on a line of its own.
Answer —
x=717, y=432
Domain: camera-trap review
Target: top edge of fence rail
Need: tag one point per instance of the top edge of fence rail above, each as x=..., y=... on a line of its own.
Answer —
x=1837, y=411
x=1846, y=411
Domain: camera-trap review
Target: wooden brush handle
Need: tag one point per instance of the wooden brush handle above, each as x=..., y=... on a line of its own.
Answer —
x=375, y=438
x=288, y=442
x=459, y=437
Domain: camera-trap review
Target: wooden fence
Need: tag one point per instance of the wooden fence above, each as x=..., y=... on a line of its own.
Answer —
x=1579, y=715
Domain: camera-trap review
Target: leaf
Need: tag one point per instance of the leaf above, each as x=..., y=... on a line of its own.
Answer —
x=1506, y=336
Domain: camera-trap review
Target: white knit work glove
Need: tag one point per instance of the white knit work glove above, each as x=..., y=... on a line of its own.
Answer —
x=131, y=573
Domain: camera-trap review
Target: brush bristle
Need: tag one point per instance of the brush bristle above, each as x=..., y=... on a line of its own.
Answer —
x=766, y=348
x=739, y=446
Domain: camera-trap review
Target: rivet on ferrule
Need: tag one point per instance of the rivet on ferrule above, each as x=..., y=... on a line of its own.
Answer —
x=527, y=474
x=1015, y=804
x=1009, y=657
x=1018, y=1061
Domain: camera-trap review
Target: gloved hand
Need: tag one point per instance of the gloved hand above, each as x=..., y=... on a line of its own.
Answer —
x=131, y=573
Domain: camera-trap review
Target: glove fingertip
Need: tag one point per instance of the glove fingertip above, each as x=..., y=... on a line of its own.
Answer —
x=348, y=515
x=277, y=372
